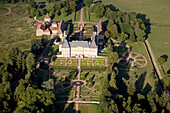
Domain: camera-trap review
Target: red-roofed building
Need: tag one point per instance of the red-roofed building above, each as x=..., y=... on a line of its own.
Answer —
x=40, y=30
x=47, y=31
x=47, y=18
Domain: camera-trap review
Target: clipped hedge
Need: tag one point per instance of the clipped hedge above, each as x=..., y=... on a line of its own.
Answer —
x=93, y=68
x=64, y=67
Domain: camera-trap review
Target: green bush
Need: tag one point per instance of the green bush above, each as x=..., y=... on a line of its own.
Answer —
x=90, y=84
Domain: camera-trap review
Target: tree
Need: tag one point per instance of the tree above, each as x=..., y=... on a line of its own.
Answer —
x=31, y=98
x=139, y=33
x=64, y=11
x=132, y=37
x=30, y=62
x=32, y=12
x=72, y=6
x=41, y=11
x=123, y=37
x=37, y=13
x=112, y=82
x=110, y=14
x=107, y=34
x=161, y=60
x=88, y=2
x=131, y=89
x=49, y=85
x=99, y=10
x=68, y=29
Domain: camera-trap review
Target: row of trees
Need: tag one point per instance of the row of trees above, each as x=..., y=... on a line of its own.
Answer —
x=121, y=26
x=123, y=94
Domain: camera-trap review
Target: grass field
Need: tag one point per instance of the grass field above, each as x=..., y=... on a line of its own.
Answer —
x=160, y=42
x=88, y=108
x=157, y=10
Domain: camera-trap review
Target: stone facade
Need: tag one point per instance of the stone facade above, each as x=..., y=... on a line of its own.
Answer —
x=78, y=49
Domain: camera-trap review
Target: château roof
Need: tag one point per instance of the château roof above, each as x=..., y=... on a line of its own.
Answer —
x=65, y=44
x=99, y=28
x=84, y=44
x=93, y=44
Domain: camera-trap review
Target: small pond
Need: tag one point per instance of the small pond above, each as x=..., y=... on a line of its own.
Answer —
x=78, y=83
x=131, y=59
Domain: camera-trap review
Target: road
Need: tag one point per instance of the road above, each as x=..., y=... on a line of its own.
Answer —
x=155, y=65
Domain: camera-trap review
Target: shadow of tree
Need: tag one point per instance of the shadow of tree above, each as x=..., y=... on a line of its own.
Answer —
x=140, y=82
x=147, y=89
x=112, y=7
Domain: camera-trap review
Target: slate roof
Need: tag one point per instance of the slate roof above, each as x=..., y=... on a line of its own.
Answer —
x=84, y=44
x=65, y=44
x=93, y=44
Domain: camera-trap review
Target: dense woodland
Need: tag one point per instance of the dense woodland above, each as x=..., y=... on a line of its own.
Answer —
x=19, y=91
x=20, y=86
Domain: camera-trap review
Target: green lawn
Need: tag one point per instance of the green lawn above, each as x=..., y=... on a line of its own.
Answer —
x=88, y=108
x=157, y=11
x=85, y=14
x=88, y=95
